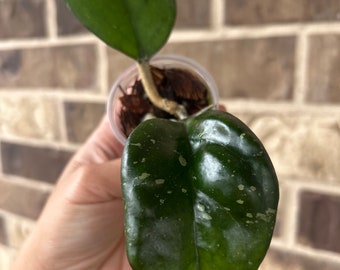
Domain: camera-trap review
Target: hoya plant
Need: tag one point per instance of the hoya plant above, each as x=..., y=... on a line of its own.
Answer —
x=200, y=191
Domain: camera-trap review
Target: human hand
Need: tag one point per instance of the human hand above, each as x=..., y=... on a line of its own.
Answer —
x=82, y=224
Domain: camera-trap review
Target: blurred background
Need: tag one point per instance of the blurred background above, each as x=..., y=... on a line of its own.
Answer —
x=277, y=67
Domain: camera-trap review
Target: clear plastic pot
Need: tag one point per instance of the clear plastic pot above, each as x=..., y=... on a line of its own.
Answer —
x=127, y=78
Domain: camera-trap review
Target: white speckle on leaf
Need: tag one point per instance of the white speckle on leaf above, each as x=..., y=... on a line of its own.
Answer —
x=153, y=141
x=226, y=208
x=182, y=161
x=136, y=144
x=258, y=154
x=240, y=201
x=263, y=217
x=242, y=135
x=270, y=211
x=252, y=188
x=206, y=216
x=240, y=187
x=161, y=201
x=169, y=191
x=159, y=181
x=184, y=190
x=250, y=215
x=143, y=160
x=144, y=175
x=200, y=207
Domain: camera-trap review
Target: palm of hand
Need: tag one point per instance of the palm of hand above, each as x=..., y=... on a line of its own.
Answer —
x=82, y=225
x=94, y=235
x=94, y=204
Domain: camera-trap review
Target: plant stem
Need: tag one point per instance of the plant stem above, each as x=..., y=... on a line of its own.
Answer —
x=164, y=104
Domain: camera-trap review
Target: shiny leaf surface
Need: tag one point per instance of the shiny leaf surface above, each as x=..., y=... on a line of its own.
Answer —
x=200, y=194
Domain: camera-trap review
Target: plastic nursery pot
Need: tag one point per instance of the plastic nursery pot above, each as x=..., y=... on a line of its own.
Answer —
x=127, y=78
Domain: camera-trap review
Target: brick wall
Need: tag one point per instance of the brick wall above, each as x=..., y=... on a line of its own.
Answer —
x=277, y=66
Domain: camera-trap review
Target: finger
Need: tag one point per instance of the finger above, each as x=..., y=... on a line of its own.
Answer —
x=101, y=146
x=96, y=183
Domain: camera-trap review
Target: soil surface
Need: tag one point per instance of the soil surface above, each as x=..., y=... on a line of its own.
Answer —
x=174, y=84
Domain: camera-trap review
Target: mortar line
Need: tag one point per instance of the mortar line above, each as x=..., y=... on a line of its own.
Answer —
x=93, y=98
x=62, y=119
x=7, y=214
x=40, y=143
x=217, y=12
x=51, y=19
x=306, y=251
x=102, y=68
x=11, y=218
x=246, y=106
x=227, y=32
x=28, y=183
x=23, y=224
x=294, y=188
x=317, y=187
x=274, y=30
x=301, y=63
x=262, y=31
x=290, y=226
x=233, y=105
x=322, y=28
x=46, y=42
x=66, y=93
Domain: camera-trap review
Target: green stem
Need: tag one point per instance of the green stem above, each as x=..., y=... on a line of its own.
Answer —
x=164, y=104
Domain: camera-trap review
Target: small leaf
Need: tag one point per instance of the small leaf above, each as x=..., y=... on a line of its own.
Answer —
x=137, y=28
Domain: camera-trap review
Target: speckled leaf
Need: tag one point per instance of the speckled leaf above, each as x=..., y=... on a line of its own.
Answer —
x=200, y=194
x=137, y=28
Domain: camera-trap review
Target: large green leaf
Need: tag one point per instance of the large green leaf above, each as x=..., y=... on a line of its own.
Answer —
x=137, y=28
x=199, y=194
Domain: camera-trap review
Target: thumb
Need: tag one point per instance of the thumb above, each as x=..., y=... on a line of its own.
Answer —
x=92, y=183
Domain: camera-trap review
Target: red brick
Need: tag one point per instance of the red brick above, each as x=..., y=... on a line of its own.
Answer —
x=324, y=69
x=319, y=221
x=22, y=200
x=81, y=119
x=68, y=24
x=193, y=14
x=241, y=12
x=22, y=19
x=40, y=163
x=286, y=260
x=50, y=67
x=3, y=232
x=248, y=68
